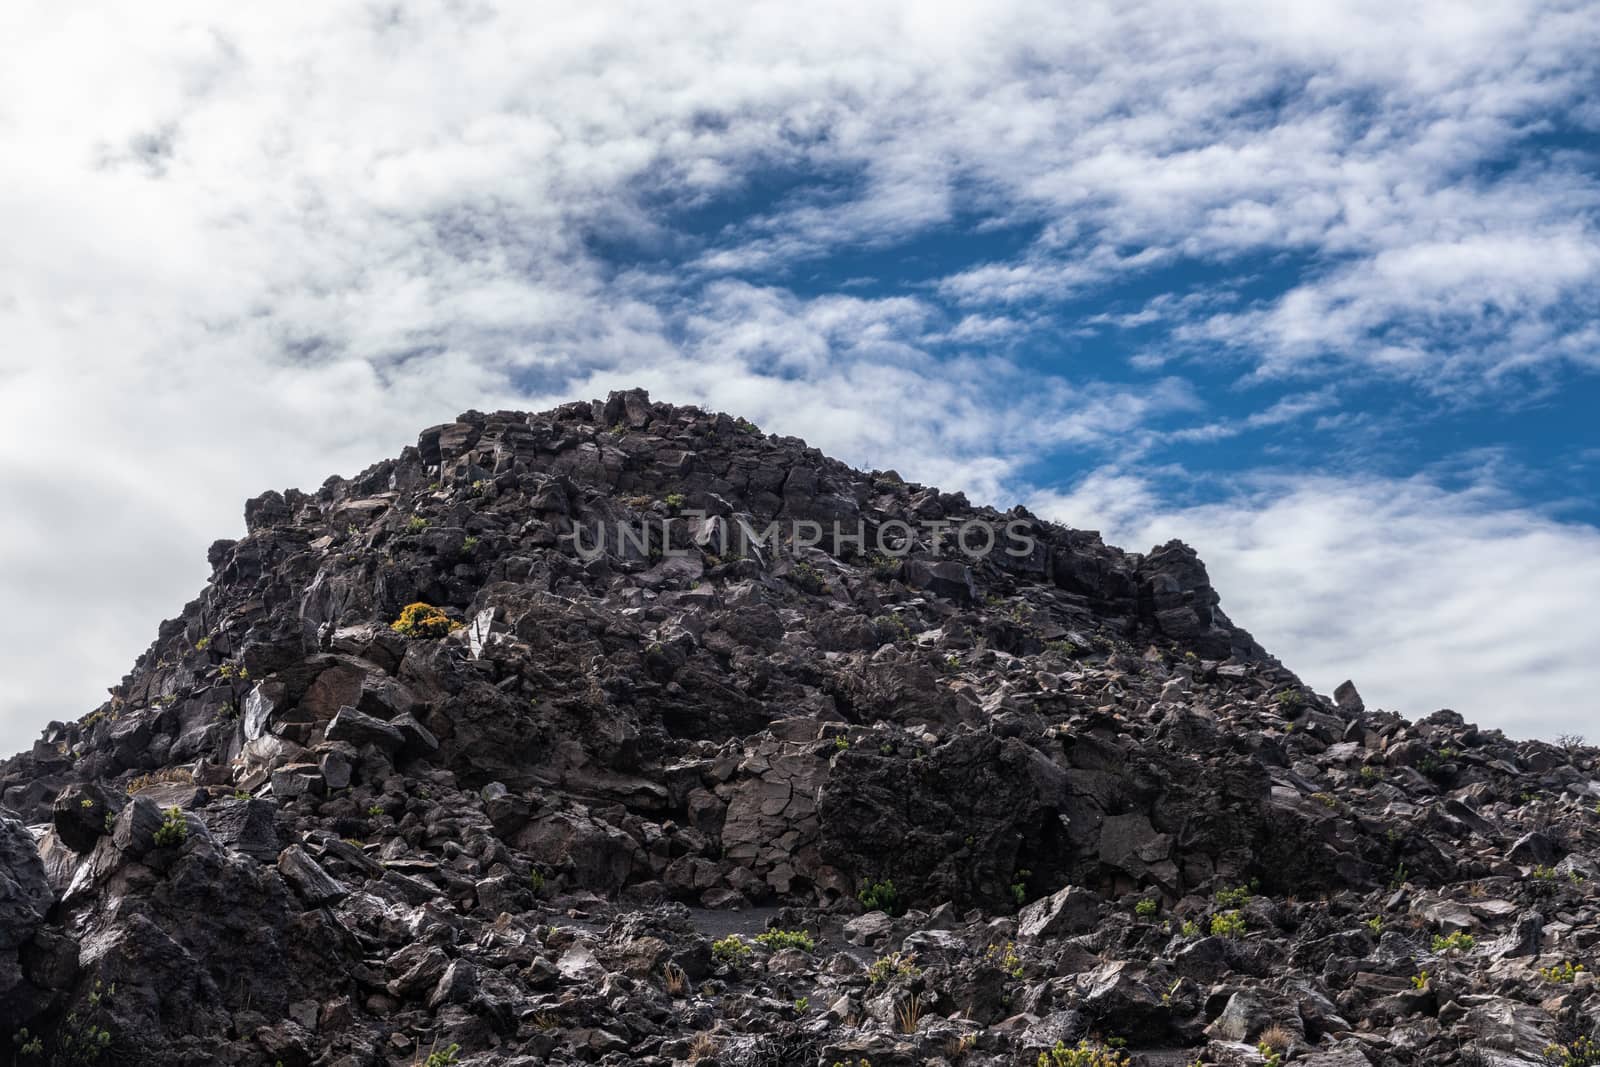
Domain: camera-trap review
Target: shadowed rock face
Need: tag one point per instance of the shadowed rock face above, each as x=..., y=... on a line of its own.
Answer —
x=519, y=826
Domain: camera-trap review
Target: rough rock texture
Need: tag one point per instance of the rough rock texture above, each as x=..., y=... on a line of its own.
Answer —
x=1014, y=800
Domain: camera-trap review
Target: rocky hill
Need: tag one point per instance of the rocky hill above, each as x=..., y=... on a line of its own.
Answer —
x=431, y=773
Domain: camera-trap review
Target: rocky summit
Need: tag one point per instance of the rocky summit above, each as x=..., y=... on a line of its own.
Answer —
x=520, y=749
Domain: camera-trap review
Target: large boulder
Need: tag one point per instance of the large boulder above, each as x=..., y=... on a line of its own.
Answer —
x=25, y=900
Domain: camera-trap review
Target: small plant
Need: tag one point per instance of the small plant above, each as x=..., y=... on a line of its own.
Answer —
x=909, y=1014
x=1084, y=1055
x=174, y=829
x=777, y=940
x=1375, y=924
x=1146, y=908
x=1019, y=888
x=78, y=1040
x=1580, y=1053
x=730, y=949
x=25, y=1044
x=481, y=487
x=1277, y=1038
x=203, y=644
x=897, y=966
x=1232, y=898
x=470, y=544
x=675, y=501
x=1445, y=944
x=675, y=979
x=1419, y=981
x=416, y=524
x=1270, y=1057
x=1005, y=957
x=1369, y=773
x=1561, y=973
x=375, y=811
x=808, y=578
x=802, y=1005
x=1227, y=924
x=883, y=567
x=744, y=425
x=536, y=881
x=1398, y=878
x=234, y=672
x=1290, y=698
x=1190, y=928
x=423, y=620
x=879, y=896
x=442, y=1057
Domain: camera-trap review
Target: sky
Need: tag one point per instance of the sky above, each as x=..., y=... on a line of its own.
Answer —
x=1310, y=287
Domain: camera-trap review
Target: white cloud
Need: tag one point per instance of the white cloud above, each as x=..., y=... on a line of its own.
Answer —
x=1426, y=598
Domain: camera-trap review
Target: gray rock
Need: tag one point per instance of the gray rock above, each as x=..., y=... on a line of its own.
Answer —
x=307, y=878
x=1073, y=910
x=361, y=729
x=25, y=896
x=246, y=826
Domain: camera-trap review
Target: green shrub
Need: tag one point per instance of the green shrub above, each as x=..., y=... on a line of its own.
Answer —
x=879, y=896
x=1019, y=888
x=1232, y=898
x=1005, y=957
x=1561, y=972
x=1146, y=908
x=896, y=966
x=808, y=578
x=443, y=1057
x=730, y=949
x=782, y=939
x=174, y=829
x=1227, y=924
x=1084, y=1055
x=1454, y=942
x=675, y=501
x=423, y=620
x=1580, y=1053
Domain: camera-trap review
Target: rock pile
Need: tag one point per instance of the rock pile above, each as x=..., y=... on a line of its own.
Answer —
x=865, y=801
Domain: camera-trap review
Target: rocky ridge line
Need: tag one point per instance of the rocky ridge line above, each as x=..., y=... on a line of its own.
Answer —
x=1087, y=804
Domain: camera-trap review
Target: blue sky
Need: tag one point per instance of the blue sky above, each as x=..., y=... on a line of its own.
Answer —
x=1310, y=287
